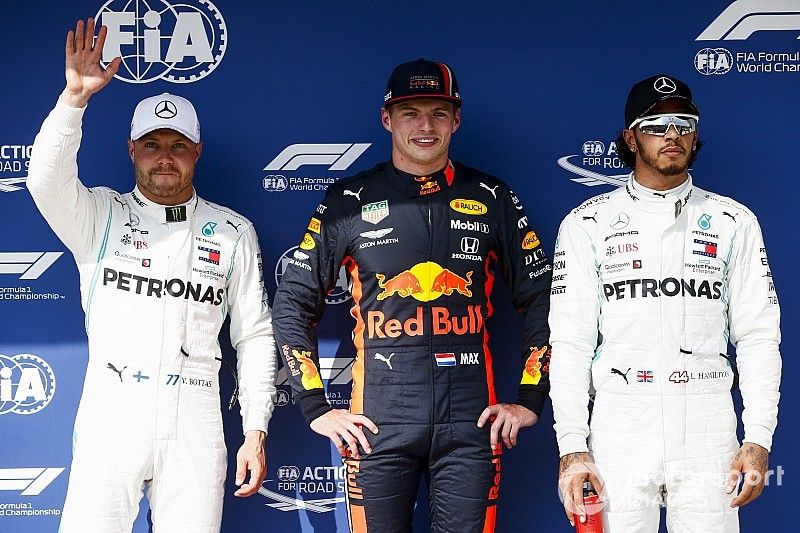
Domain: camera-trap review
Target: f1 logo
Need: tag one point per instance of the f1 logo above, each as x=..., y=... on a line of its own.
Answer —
x=743, y=18
x=338, y=156
x=31, y=481
x=30, y=264
x=469, y=245
x=10, y=184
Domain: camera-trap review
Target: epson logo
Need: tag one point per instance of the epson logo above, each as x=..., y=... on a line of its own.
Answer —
x=480, y=227
x=643, y=288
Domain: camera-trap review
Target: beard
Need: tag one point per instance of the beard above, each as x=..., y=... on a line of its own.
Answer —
x=146, y=181
x=674, y=168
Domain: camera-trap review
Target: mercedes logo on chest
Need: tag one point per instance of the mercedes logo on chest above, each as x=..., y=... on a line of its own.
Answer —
x=620, y=221
x=166, y=109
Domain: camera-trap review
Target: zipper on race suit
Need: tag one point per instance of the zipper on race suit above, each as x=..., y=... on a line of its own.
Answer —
x=430, y=316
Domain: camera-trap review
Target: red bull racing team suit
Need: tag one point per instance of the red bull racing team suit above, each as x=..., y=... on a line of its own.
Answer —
x=420, y=252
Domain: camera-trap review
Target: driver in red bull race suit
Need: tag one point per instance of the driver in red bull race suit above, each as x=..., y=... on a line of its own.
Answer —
x=419, y=237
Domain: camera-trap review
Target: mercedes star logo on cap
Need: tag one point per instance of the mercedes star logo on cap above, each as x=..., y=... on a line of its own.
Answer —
x=166, y=109
x=664, y=85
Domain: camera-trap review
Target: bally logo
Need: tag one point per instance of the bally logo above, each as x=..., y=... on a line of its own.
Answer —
x=468, y=207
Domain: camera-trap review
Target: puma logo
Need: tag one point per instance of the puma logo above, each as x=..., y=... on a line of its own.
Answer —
x=120, y=202
x=725, y=213
x=387, y=360
x=351, y=193
x=591, y=217
x=235, y=226
x=624, y=376
x=112, y=367
x=490, y=189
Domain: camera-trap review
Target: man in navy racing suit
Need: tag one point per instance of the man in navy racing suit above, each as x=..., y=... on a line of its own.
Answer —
x=419, y=237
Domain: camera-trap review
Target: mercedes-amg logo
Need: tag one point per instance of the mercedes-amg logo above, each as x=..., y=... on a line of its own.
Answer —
x=166, y=109
x=664, y=85
x=621, y=221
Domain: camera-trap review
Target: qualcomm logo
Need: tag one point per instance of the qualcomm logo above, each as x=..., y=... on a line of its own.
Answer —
x=30, y=265
x=179, y=42
x=297, y=259
x=744, y=17
x=336, y=156
x=27, y=384
x=595, y=164
x=30, y=481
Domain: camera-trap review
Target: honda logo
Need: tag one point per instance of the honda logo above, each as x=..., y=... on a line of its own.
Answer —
x=469, y=245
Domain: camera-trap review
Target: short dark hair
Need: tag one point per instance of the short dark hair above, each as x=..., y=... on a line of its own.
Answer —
x=628, y=158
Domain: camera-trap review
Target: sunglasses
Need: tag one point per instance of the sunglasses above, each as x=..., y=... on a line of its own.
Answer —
x=659, y=124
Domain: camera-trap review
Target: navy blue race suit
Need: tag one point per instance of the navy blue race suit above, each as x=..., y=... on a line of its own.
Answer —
x=420, y=254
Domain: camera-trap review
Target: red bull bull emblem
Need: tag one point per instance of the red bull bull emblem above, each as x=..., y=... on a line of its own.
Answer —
x=538, y=361
x=425, y=282
x=429, y=188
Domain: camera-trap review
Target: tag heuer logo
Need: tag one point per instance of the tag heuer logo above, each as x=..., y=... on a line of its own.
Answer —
x=375, y=212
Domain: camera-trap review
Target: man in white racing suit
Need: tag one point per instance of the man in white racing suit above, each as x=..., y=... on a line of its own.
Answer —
x=650, y=284
x=160, y=270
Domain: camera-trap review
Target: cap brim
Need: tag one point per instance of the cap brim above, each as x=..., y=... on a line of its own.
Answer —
x=172, y=127
x=444, y=97
x=691, y=106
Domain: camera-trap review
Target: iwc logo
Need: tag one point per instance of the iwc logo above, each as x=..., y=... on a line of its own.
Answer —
x=179, y=42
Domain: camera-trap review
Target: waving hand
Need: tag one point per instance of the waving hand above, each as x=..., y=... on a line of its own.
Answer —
x=85, y=76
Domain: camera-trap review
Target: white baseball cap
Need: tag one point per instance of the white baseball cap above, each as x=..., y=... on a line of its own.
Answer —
x=165, y=111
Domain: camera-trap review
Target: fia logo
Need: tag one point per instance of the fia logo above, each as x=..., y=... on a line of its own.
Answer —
x=27, y=384
x=711, y=61
x=179, y=42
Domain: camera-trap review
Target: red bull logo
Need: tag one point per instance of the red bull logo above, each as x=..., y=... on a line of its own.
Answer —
x=443, y=323
x=429, y=188
x=424, y=282
x=538, y=361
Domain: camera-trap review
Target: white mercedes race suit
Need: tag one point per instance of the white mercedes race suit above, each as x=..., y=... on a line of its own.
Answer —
x=648, y=289
x=156, y=285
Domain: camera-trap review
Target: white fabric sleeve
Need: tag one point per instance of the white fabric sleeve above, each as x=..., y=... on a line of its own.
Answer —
x=754, y=324
x=69, y=207
x=251, y=334
x=574, y=310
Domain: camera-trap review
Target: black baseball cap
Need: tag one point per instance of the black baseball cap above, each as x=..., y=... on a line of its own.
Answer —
x=422, y=79
x=648, y=93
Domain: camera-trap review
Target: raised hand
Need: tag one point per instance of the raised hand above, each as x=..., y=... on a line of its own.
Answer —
x=85, y=76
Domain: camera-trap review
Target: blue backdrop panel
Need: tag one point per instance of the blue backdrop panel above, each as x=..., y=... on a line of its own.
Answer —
x=544, y=86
